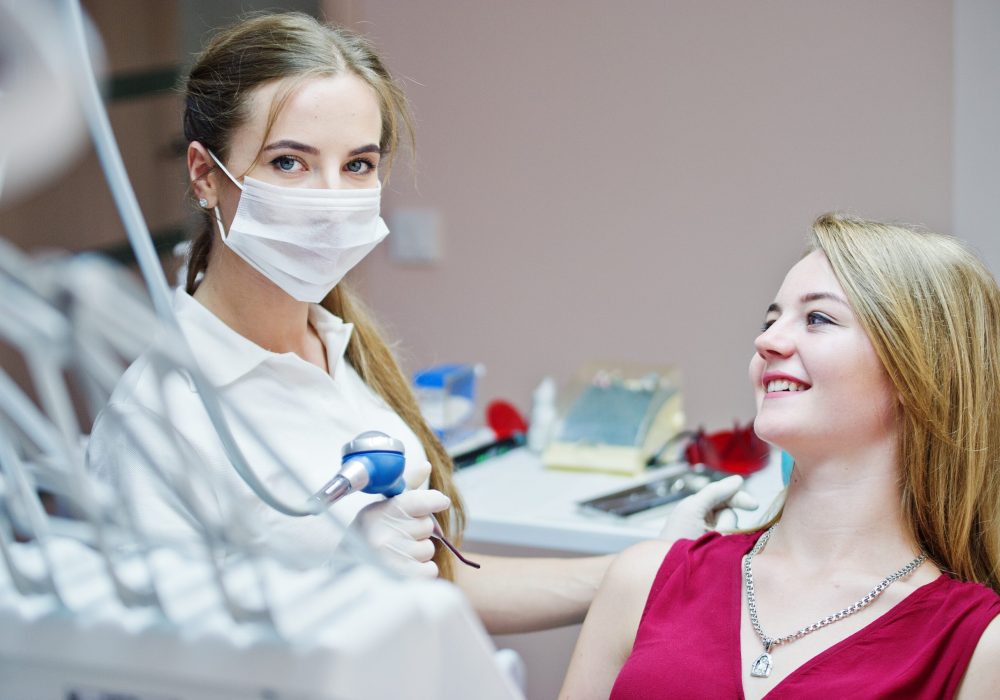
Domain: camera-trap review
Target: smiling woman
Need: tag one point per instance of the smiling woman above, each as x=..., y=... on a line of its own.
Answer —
x=816, y=375
x=877, y=369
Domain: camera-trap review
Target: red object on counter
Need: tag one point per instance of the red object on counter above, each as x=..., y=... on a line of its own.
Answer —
x=737, y=451
x=505, y=420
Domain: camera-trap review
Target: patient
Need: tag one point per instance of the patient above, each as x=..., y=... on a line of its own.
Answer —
x=878, y=370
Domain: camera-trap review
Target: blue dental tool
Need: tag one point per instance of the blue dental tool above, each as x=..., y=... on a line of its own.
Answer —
x=372, y=462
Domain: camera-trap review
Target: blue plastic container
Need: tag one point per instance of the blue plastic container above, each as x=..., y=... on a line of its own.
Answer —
x=447, y=397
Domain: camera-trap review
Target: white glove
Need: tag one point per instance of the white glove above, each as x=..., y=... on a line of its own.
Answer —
x=708, y=509
x=399, y=528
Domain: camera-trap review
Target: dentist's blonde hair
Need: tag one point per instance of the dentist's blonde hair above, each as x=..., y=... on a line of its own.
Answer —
x=932, y=311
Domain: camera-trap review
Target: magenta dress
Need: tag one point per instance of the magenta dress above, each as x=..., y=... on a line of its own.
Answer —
x=688, y=643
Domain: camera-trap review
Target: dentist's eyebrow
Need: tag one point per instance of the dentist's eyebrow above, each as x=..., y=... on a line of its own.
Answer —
x=370, y=148
x=293, y=145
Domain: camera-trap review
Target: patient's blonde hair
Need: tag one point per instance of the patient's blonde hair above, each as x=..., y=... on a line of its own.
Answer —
x=932, y=312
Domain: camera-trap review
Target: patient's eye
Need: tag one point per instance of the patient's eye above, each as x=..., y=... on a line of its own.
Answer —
x=815, y=318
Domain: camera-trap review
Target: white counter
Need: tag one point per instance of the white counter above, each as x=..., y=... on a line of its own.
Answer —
x=513, y=500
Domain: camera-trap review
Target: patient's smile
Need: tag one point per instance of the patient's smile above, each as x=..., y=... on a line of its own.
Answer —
x=784, y=385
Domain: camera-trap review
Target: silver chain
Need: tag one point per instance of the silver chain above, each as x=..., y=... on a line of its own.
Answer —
x=769, y=642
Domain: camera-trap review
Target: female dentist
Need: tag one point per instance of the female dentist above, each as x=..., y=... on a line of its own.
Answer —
x=289, y=123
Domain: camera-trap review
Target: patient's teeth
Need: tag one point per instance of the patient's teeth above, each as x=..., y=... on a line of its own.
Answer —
x=784, y=385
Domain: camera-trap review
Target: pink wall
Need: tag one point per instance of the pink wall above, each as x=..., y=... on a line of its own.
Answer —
x=976, y=144
x=631, y=180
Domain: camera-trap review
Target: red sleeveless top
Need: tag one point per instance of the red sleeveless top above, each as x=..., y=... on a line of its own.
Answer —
x=688, y=643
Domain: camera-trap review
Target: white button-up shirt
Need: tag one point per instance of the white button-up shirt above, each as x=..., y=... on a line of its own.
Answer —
x=303, y=413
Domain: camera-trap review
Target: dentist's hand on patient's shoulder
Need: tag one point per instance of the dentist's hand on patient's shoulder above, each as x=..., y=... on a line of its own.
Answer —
x=400, y=528
x=708, y=509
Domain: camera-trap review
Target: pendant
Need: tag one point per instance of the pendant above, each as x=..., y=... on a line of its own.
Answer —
x=762, y=666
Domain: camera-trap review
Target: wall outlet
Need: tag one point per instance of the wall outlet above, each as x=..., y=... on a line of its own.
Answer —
x=414, y=235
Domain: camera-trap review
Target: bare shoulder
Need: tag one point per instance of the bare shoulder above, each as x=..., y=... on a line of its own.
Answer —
x=606, y=639
x=656, y=549
x=982, y=678
x=622, y=596
x=638, y=563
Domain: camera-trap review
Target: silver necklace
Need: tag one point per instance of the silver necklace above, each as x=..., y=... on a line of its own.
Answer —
x=761, y=667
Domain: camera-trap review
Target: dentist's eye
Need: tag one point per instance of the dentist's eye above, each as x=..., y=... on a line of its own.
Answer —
x=287, y=164
x=361, y=166
x=816, y=318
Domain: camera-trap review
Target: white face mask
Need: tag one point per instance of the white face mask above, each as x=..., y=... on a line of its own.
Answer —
x=303, y=240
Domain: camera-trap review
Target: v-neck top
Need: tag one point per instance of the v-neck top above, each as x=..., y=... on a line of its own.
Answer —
x=688, y=641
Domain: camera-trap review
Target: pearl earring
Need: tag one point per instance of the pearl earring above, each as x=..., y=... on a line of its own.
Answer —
x=203, y=203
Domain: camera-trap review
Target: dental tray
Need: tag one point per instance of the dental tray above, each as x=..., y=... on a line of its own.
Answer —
x=651, y=494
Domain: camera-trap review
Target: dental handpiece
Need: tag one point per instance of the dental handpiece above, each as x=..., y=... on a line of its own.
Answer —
x=373, y=462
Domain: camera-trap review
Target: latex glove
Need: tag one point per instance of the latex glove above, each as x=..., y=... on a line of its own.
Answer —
x=708, y=509
x=399, y=528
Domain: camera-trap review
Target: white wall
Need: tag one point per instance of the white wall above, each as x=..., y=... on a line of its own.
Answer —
x=977, y=126
x=631, y=180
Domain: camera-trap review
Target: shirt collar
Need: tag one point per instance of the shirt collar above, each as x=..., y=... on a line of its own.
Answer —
x=334, y=332
x=224, y=355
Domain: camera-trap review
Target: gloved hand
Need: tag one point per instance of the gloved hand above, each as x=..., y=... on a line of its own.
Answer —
x=708, y=509
x=399, y=528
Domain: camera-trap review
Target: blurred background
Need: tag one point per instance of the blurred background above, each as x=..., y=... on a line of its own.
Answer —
x=596, y=180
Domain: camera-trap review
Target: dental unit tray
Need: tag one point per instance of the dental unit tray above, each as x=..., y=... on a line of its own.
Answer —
x=651, y=494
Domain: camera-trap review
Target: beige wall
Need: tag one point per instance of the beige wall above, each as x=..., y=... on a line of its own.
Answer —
x=631, y=180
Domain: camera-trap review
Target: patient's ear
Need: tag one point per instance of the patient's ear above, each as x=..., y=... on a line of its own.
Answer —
x=201, y=170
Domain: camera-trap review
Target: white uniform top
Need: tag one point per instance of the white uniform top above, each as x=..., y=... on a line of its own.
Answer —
x=304, y=413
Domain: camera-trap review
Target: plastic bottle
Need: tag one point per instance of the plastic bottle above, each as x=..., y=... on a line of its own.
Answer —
x=543, y=415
